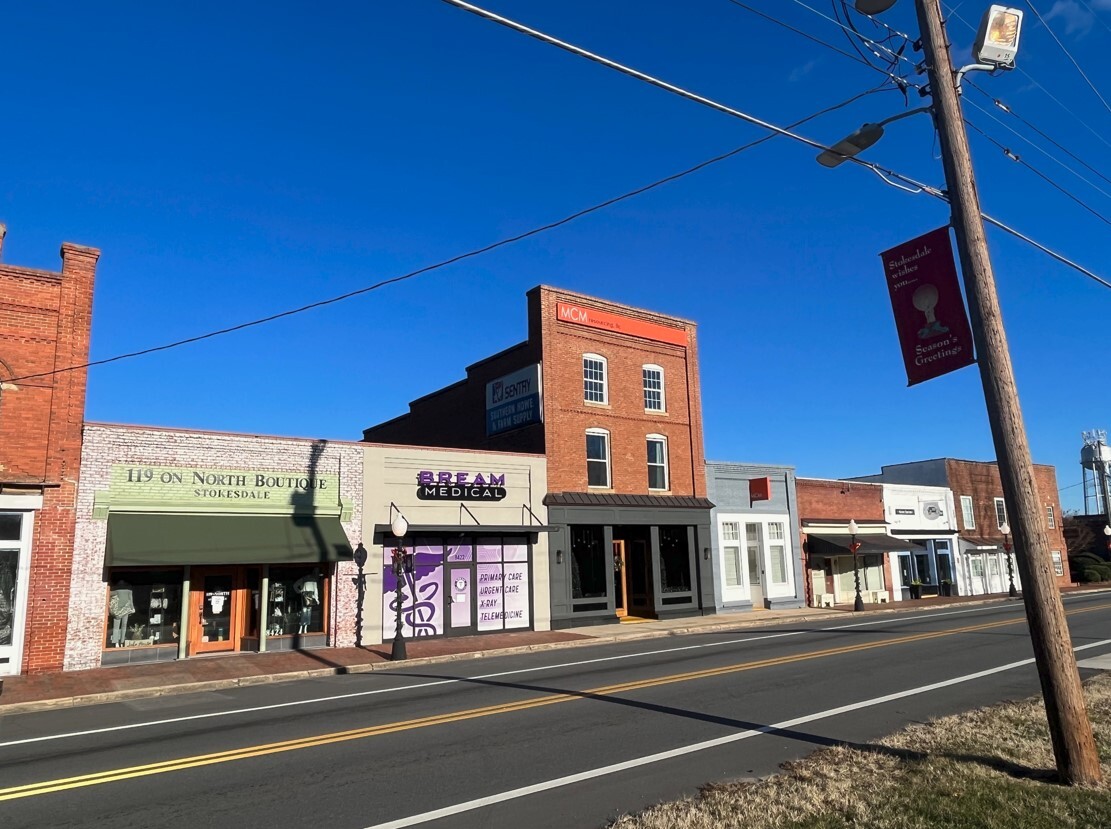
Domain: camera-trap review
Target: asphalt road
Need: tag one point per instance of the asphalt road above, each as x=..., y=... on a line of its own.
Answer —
x=562, y=738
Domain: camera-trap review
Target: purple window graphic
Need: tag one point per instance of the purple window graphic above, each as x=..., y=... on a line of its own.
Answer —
x=515, y=588
x=489, y=578
x=422, y=598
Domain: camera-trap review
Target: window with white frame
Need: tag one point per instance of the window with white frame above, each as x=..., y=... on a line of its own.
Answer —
x=657, y=462
x=967, y=513
x=1051, y=518
x=594, y=379
x=1058, y=564
x=653, y=388
x=731, y=552
x=598, y=458
x=1000, y=512
x=777, y=552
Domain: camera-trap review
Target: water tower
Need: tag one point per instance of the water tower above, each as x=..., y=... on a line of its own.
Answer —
x=1095, y=460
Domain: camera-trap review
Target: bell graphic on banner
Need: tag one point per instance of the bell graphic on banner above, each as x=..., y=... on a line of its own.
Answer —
x=925, y=300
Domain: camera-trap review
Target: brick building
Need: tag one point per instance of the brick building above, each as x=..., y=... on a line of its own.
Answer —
x=610, y=395
x=44, y=326
x=984, y=561
x=826, y=509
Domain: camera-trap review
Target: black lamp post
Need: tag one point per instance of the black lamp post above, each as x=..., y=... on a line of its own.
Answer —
x=402, y=565
x=854, y=545
x=1107, y=535
x=1005, y=528
x=360, y=556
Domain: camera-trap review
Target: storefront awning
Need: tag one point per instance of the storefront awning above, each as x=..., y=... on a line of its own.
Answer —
x=871, y=544
x=144, y=539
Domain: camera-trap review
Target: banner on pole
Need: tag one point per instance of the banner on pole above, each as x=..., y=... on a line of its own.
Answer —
x=929, y=311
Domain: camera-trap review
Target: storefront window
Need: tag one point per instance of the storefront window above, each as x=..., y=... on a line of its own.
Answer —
x=675, y=560
x=588, y=563
x=295, y=601
x=9, y=561
x=144, y=608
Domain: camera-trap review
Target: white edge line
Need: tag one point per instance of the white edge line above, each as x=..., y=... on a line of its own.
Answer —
x=540, y=669
x=559, y=782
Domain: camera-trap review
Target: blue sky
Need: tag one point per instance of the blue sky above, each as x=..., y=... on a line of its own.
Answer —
x=236, y=160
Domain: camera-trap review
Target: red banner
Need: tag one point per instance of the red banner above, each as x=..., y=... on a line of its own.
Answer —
x=928, y=307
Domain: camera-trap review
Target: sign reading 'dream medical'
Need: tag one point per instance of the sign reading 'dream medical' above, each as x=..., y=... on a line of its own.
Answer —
x=929, y=311
x=591, y=318
x=514, y=401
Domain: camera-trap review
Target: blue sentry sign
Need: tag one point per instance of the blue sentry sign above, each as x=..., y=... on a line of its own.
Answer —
x=513, y=401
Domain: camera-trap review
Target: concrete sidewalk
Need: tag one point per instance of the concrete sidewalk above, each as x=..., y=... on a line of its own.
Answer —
x=41, y=691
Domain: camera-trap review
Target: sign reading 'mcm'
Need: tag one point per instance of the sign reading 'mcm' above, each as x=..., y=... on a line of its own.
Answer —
x=605, y=321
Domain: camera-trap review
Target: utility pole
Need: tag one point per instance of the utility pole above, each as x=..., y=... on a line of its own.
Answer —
x=1071, y=732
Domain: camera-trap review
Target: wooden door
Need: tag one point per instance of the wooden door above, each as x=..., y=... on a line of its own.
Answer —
x=620, y=587
x=215, y=609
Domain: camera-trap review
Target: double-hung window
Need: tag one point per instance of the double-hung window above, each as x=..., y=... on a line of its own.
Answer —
x=594, y=379
x=1051, y=517
x=731, y=552
x=653, y=388
x=598, y=458
x=1000, y=512
x=777, y=552
x=968, y=513
x=657, y=462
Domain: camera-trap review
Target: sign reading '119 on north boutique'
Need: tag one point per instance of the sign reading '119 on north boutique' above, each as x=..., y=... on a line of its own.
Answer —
x=514, y=401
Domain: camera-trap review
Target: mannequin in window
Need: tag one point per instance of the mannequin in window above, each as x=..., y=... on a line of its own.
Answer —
x=121, y=604
x=308, y=588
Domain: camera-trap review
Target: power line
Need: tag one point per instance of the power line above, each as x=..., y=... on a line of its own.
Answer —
x=895, y=58
x=1019, y=159
x=1049, y=94
x=1094, y=15
x=1045, y=152
x=1007, y=108
x=454, y=259
x=1068, y=54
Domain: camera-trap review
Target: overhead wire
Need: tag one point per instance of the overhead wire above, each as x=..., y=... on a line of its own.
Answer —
x=1037, y=83
x=1042, y=150
x=1010, y=111
x=889, y=176
x=1011, y=154
x=454, y=259
x=1068, y=54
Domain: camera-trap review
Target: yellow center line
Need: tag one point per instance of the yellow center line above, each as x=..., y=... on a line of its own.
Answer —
x=180, y=764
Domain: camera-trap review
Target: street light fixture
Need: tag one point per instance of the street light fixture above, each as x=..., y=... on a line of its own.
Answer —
x=874, y=6
x=860, y=140
x=402, y=566
x=1107, y=537
x=997, y=37
x=360, y=557
x=854, y=545
x=1005, y=528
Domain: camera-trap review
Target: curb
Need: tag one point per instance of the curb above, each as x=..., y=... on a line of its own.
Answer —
x=369, y=667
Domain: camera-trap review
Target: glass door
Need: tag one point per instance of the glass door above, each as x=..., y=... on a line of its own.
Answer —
x=14, y=556
x=620, y=589
x=215, y=610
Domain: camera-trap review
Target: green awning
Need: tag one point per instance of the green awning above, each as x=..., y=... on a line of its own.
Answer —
x=150, y=538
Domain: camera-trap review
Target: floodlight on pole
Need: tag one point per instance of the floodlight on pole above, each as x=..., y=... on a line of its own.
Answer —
x=860, y=140
x=874, y=6
x=997, y=37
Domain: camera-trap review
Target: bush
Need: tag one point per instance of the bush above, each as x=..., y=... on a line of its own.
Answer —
x=1095, y=574
x=1082, y=560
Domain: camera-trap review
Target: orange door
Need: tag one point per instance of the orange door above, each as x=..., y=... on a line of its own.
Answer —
x=215, y=608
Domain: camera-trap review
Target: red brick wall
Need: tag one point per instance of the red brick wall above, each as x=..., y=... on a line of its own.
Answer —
x=839, y=501
x=981, y=481
x=567, y=417
x=44, y=326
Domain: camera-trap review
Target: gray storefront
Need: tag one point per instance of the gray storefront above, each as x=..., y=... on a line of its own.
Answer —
x=756, y=559
x=628, y=557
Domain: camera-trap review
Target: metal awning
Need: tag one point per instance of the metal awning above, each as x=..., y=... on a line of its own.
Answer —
x=821, y=544
x=384, y=535
x=981, y=543
x=156, y=539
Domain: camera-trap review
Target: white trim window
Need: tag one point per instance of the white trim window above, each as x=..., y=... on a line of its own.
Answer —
x=968, y=513
x=1058, y=563
x=16, y=531
x=653, y=388
x=598, y=458
x=1000, y=512
x=777, y=553
x=1051, y=518
x=731, y=554
x=595, y=387
x=657, y=463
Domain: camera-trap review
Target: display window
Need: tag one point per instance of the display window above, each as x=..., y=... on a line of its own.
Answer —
x=295, y=601
x=144, y=608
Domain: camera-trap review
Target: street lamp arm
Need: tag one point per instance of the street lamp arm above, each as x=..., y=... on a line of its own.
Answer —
x=909, y=112
x=974, y=67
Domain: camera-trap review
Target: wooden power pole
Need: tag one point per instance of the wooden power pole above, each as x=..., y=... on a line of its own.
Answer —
x=1073, y=743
